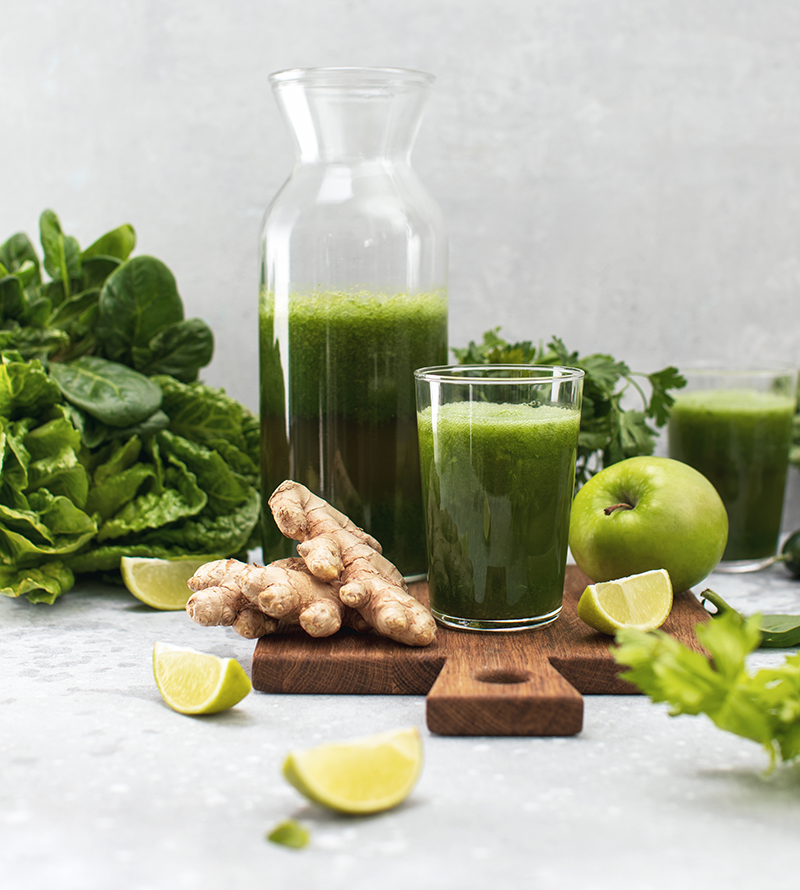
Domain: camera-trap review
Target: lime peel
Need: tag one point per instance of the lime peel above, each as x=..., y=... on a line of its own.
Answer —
x=192, y=682
x=364, y=776
x=642, y=602
x=161, y=583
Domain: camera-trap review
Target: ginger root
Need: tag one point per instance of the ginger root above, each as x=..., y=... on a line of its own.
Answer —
x=253, y=599
x=340, y=579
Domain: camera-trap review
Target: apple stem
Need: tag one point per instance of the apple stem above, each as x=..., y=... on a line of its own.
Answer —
x=609, y=510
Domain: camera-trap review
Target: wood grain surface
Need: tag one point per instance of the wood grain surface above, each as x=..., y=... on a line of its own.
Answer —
x=526, y=683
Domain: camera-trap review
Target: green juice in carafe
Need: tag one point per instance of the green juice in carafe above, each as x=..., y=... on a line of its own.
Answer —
x=739, y=440
x=338, y=410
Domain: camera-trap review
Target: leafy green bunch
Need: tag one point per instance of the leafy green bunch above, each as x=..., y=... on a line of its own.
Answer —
x=608, y=433
x=763, y=706
x=110, y=445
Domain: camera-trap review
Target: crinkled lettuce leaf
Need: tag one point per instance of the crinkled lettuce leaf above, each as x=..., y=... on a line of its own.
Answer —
x=68, y=505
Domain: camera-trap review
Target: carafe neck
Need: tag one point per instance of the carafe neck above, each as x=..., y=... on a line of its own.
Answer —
x=348, y=115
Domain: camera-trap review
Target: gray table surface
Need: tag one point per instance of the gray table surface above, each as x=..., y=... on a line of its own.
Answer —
x=102, y=786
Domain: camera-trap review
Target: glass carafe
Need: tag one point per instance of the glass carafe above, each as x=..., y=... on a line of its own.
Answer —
x=353, y=300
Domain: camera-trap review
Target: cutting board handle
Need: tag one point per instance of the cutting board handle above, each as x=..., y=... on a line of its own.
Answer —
x=502, y=693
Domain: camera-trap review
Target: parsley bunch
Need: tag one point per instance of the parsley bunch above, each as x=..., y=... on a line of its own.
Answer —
x=609, y=433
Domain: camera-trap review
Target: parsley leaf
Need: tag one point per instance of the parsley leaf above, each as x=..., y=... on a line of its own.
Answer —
x=609, y=433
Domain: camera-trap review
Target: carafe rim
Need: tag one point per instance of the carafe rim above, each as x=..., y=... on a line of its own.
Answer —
x=344, y=76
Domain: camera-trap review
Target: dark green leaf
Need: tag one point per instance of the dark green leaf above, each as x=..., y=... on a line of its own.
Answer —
x=110, y=392
x=209, y=533
x=137, y=301
x=179, y=350
x=12, y=298
x=660, y=400
x=55, y=527
x=62, y=256
x=38, y=310
x=16, y=253
x=635, y=436
x=96, y=269
x=74, y=308
x=604, y=371
x=226, y=490
x=151, y=425
x=203, y=414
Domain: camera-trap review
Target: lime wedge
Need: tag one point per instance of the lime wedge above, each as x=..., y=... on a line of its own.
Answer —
x=364, y=776
x=639, y=601
x=160, y=583
x=194, y=683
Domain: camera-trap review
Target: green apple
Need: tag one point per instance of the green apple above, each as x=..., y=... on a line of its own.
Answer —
x=648, y=513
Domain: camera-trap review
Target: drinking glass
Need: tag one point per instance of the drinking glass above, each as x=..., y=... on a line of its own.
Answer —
x=497, y=451
x=735, y=427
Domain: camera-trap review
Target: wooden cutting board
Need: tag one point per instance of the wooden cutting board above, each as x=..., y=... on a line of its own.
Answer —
x=527, y=683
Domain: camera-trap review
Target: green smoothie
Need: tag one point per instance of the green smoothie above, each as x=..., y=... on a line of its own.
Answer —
x=739, y=439
x=498, y=481
x=338, y=410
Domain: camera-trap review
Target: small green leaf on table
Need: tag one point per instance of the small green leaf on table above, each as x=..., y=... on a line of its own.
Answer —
x=290, y=833
x=777, y=631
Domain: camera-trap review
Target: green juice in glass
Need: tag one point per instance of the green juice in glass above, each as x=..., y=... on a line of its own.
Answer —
x=498, y=481
x=338, y=410
x=739, y=439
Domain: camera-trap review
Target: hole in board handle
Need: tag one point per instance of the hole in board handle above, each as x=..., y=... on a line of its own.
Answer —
x=503, y=676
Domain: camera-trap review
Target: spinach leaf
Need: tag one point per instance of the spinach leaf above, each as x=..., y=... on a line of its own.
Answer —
x=139, y=299
x=18, y=254
x=110, y=392
x=75, y=308
x=179, y=350
x=94, y=463
x=62, y=256
x=96, y=269
x=118, y=243
x=12, y=296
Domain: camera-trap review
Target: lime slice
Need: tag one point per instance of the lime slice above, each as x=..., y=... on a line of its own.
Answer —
x=194, y=683
x=639, y=601
x=161, y=583
x=364, y=776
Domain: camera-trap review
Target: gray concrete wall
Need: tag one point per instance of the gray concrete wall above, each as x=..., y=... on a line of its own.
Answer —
x=624, y=174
